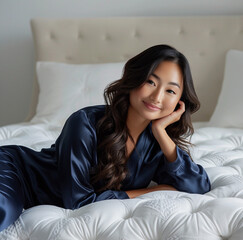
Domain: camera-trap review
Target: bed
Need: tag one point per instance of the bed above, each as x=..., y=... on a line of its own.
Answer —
x=75, y=60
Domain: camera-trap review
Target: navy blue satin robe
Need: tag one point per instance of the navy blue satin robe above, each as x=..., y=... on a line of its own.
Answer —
x=59, y=175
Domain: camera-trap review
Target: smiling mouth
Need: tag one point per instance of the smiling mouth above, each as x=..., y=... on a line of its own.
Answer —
x=151, y=106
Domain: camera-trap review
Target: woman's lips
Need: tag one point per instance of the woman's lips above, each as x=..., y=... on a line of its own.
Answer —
x=151, y=106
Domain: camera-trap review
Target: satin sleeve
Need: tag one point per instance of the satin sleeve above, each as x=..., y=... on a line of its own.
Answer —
x=76, y=152
x=183, y=174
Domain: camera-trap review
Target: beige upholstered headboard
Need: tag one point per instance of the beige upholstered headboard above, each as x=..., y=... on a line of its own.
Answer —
x=203, y=40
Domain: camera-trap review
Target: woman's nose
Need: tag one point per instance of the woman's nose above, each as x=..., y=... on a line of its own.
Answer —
x=157, y=96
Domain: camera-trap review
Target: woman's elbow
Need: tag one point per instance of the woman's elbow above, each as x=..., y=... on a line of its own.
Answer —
x=197, y=188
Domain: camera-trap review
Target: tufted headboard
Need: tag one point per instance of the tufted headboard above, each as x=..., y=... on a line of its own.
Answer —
x=203, y=40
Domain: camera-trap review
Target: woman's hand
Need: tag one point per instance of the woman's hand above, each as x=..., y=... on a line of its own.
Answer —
x=163, y=122
x=167, y=145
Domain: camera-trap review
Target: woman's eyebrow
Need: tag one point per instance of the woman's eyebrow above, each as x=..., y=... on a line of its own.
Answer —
x=171, y=83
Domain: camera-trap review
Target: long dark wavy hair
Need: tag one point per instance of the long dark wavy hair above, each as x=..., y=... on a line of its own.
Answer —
x=112, y=131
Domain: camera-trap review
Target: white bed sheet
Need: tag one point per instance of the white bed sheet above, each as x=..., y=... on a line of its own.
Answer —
x=159, y=215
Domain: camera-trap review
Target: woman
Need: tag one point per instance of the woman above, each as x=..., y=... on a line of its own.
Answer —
x=113, y=151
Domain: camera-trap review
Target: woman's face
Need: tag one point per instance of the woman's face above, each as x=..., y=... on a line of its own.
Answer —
x=159, y=95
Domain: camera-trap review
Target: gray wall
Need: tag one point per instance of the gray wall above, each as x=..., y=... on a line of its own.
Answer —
x=16, y=46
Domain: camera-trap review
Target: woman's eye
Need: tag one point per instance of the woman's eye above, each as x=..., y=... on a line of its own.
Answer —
x=171, y=91
x=151, y=82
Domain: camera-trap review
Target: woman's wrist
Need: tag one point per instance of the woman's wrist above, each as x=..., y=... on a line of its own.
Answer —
x=137, y=192
x=161, y=187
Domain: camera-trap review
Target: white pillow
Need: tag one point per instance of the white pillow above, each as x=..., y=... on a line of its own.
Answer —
x=229, y=109
x=65, y=88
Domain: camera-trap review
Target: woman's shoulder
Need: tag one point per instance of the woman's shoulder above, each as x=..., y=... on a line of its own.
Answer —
x=90, y=113
x=96, y=109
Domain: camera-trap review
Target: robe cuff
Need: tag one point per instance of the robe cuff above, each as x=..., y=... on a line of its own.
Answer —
x=120, y=194
x=110, y=194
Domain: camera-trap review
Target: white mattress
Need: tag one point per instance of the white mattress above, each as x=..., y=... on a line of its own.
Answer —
x=159, y=215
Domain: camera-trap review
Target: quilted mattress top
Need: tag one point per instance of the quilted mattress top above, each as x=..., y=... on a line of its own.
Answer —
x=158, y=215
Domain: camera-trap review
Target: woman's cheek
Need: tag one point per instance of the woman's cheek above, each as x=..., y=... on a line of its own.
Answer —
x=171, y=106
x=165, y=112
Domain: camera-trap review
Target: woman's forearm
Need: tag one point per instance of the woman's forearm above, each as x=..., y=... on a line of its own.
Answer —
x=167, y=146
x=137, y=192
